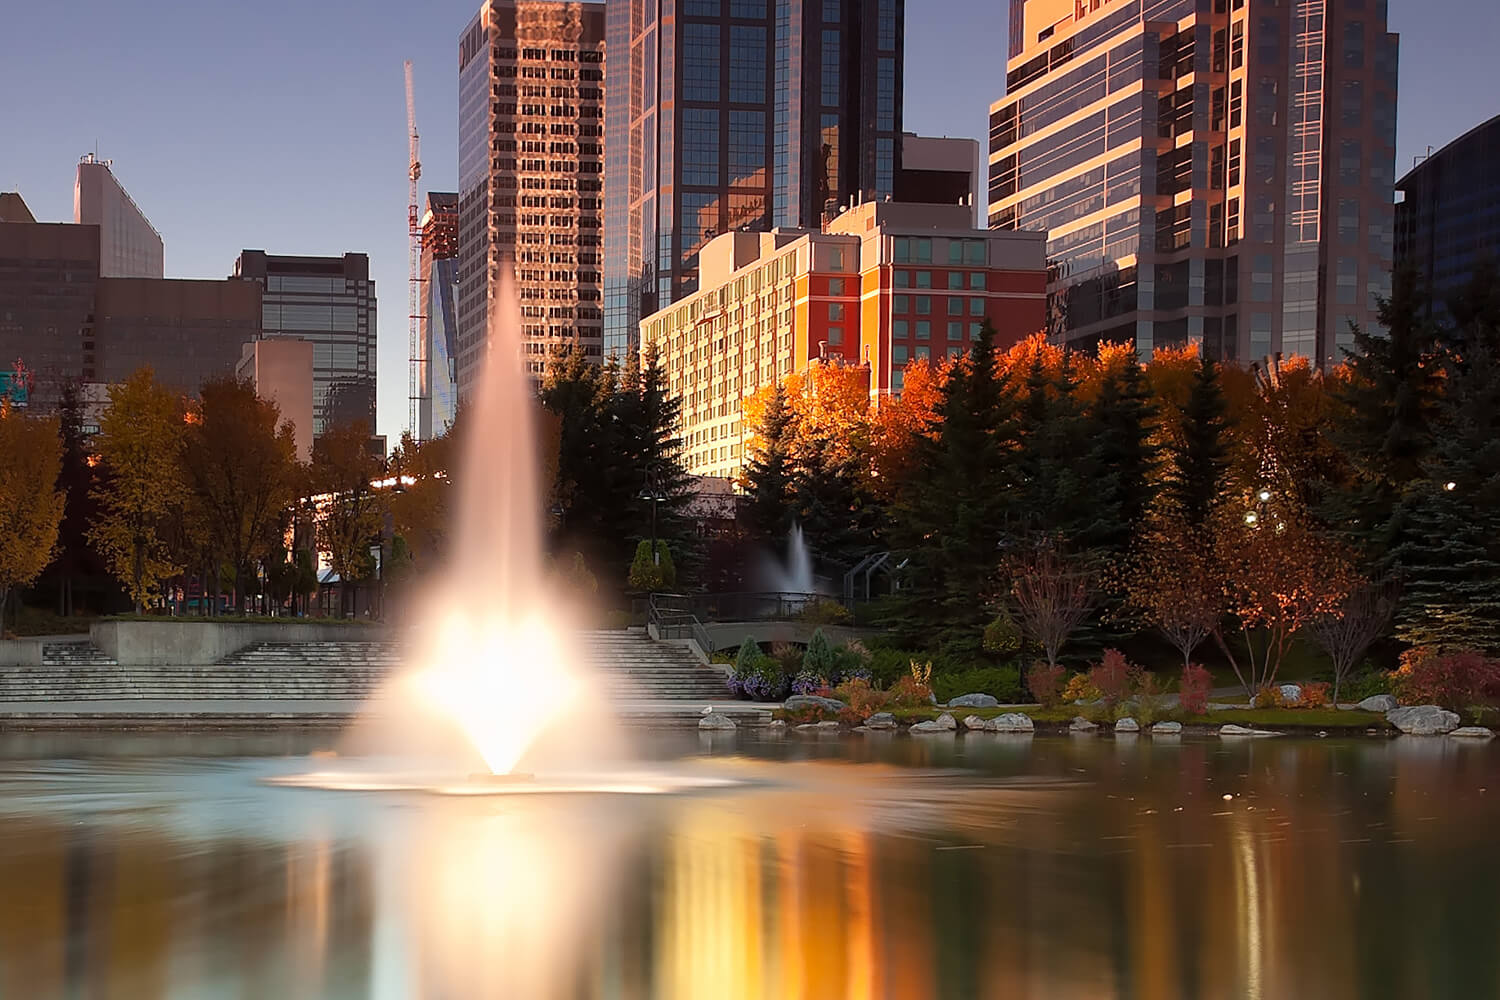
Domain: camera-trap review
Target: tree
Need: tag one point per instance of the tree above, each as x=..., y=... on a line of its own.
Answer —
x=1197, y=454
x=1387, y=407
x=422, y=512
x=1173, y=583
x=770, y=468
x=1348, y=633
x=1052, y=594
x=141, y=493
x=349, y=519
x=240, y=467
x=900, y=423
x=31, y=507
x=1120, y=417
x=77, y=559
x=648, y=574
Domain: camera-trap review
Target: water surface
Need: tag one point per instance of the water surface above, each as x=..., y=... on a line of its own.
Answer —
x=160, y=866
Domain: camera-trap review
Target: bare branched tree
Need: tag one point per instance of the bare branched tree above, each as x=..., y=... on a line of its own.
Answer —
x=1052, y=593
x=1347, y=634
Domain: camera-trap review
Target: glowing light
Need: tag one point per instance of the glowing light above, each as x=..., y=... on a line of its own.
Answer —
x=1264, y=495
x=1450, y=486
x=1250, y=518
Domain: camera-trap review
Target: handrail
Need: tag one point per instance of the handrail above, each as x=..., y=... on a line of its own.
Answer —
x=677, y=623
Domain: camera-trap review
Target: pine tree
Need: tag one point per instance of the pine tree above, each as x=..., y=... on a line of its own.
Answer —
x=1198, y=458
x=770, y=471
x=1120, y=417
x=1385, y=426
x=1059, y=482
x=832, y=502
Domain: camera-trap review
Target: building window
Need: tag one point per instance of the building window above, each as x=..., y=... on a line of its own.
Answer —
x=835, y=286
x=1352, y=103
x=924, y=305
x=900, y=303
x=955, y=330
x=700, y=146
x=835, y=311
x=747, y=148
x=700, y=62
x=747, y=8
x=701, y=8
x=955, y=306
x=902, y=279
x=976, y=307
x=835, y=336
x=1354, y=44
x=922, y=352
x=899, y=328
x=976, y=280
x=955, y=281
x=885, y=95
x=898, y=381
x=924, y=279
x=975, y=329
x=924, y=330
x=912, y=250
x=885, y=166
x=898, y=354
x=886, y=25
x=831, y=91
x=747, y=64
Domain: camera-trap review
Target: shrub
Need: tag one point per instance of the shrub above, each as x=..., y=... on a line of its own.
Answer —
x=1114, y=677
x=766, y=682
x=852, y=660
x=1002, y=637
x=819, y=657
x=825, y=611
x=1314, y=694
x=1149, y=698
x=1004, y=683
x=864, y=699
x=646, y=574
x=807, y=682
x=789, y=657
x=908, y=692
x=1079, y=689
x=1458, y=679
x=748, y=656
x=1368, y=683
x=1193, y=689
x=1268, y=697
x=1045, y=683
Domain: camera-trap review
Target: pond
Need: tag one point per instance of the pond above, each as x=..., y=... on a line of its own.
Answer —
x=979, y=866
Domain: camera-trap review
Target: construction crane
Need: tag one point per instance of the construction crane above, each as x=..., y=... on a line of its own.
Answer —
x=417, y=350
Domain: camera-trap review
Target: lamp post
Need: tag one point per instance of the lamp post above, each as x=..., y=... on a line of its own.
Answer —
x=652, y=492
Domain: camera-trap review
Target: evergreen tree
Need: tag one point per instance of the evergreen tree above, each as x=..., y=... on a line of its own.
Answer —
x=950, y=521
x=1059, y=481
x=1123, y=452
x=770, y=470
x=831, y=501
x=1198, y=457
x=1451, y=562
x=1384, y=431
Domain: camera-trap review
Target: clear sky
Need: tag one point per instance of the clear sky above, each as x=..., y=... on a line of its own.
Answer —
x=281, y=125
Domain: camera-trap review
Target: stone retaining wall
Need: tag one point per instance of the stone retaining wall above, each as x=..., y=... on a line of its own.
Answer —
x=182, y=643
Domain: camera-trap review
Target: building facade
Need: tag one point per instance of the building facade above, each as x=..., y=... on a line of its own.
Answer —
x=186, y=331
x=1448, y=220
x=530, y=170
x=738, y=115
x=49, y=275
x=1216, y=171
x=329, y=301
x=129, y=246
x=438, y=331
x=940, y=171
x=281, y=369
x=879, y=286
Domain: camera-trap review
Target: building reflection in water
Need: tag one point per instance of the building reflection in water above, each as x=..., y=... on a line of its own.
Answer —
x=1329, y=873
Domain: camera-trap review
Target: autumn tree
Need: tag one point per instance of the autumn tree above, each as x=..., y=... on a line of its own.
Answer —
x=31, y=507
x=770, y=468
x=898, y=425
x=1172, y=582
x=1348, y=632
x=240, y=468
x=1052, y=594
x=141, y=493
x=349, y=516
x=422, y=511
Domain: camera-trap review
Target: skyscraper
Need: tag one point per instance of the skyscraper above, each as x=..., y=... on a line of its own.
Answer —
x=331, y=302
x=530, y=161
x=439, y=323
x=129, y=247
x=1214, y=170
x=737, y=115
x=1448, y=220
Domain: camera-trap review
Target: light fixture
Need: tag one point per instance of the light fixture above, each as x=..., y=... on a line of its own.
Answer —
x=1250, y=518
x=1265, y=495
x=1450, y=486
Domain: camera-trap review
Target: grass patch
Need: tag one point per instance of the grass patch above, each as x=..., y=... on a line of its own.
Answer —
x=1306, y=718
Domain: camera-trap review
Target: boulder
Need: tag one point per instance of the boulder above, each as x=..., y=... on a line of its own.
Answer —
x=1012, y=722
x=776, y=724
x=798, y=702
x=881, y=720
x=1082, y=725
x=1127, y=725
x=974, y=701
x=1291, y=693
x=713, y=720
x=1224, y=706
x=1233, y=730
x=1473, y=733
x=1378, y=703
x=942, y=724
x=1423, y=720
x=975, y=723
x=819, y=728
x=1167, y=729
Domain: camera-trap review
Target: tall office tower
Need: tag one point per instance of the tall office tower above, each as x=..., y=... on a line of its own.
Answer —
x=530, y=165
x=1207, y=170
x=1448, y=220
x=439, y=322
x=331, y=302
x=737, y=115
x=129, y=247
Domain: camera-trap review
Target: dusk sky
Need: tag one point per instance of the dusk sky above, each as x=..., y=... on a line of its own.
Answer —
x=281, y=125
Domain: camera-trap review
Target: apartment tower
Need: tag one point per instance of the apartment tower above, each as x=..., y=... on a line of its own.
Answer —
x=530, y=175
x=439, y=318
x=129, y=246
x=738, y=115
x=1215, y=171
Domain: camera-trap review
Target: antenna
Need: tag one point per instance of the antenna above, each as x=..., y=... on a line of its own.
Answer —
x=418, y=363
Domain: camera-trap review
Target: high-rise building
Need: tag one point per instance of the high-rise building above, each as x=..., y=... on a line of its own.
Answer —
x=738, y=115
x=1449, y=217
x=129, y=246
x=881, y=285
x=281, y=369
x=1207, y=170
x=438, y=386
x=530, y=168
x=329, y=301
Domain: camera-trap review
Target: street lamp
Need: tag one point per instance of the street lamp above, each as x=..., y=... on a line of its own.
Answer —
x=653, y=493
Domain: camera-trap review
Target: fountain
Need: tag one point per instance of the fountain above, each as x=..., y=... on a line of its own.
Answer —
x=795, y=575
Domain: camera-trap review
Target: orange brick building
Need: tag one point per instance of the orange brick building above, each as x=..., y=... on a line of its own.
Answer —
x=883, y=284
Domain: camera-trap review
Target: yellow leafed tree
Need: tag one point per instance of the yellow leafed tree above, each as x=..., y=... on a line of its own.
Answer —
x=139, y=443
x=31, y=507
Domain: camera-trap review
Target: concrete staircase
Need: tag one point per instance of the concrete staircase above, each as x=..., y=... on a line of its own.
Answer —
x=630, y=668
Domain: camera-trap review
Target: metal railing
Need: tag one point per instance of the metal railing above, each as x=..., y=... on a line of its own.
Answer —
x=674, y=622
x=747, y=606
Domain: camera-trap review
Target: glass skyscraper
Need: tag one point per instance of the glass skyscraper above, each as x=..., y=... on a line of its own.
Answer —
x=737, y=115
x=437, y=389
x=1216, y=171
x=331, y=302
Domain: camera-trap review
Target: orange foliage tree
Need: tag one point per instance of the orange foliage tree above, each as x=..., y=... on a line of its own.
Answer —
x=1173, y=582
x=900, y=421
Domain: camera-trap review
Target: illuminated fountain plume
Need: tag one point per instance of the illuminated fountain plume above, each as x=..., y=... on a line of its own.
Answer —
x=497, y=665
x=795, y=575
